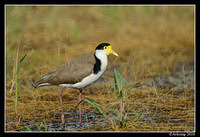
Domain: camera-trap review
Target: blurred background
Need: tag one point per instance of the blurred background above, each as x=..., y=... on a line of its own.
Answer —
x=152, y=42
x=157, y=37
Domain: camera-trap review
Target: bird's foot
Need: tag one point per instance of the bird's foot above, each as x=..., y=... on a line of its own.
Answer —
x=63, y=119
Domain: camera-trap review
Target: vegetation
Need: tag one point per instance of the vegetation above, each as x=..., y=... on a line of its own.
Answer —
x=155, y=46
x=17, y=117
x=119, y=114
x=38, y=127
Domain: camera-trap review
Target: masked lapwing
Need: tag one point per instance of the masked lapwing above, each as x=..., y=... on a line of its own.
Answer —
x=78, y=73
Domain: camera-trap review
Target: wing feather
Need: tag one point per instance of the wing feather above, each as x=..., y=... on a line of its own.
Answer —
x=71, y=72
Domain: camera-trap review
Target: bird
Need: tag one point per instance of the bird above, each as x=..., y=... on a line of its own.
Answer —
x=79, y=73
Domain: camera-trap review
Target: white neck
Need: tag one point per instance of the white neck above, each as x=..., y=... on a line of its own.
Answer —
x=102, y=56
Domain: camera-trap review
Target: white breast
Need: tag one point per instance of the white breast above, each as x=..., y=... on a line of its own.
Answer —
x=101, y=55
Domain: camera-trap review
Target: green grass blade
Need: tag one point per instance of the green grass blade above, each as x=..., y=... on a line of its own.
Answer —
x=27, y=129
x=128, y=91
x=79, y=103
x=125, y=82
x=92, y=102
x=20, y=63
x=118, y=114
x=38, y=127
x=131, y=89
x=138, y=116
x=117, y=79
x=110, y=107
x=114, y=89
x=121, y=85
x=45, y=125
x=125, y=116
x=16, y=96
x=35, y=86
x=121, y=81
x=117, y=82
x=116, y=111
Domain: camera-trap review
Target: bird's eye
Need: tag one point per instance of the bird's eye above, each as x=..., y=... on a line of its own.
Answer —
x=105, y=47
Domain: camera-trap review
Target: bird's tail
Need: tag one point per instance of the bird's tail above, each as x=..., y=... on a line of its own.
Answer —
x=42, y=81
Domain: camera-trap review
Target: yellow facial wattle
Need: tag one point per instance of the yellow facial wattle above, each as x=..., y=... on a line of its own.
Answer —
x=109, y=50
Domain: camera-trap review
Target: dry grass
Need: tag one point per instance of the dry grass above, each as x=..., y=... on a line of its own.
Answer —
x=150, y=40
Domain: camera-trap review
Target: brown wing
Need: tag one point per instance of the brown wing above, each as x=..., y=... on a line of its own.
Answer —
x=71, y=72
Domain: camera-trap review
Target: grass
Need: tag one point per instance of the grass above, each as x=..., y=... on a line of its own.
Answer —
x=17, y=117
x=149, y=43
x=119, y=115
x=119, y=83
x=38, y=127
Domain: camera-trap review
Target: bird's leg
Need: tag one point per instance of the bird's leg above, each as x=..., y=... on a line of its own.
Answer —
x=60, y=96
x=79, y=99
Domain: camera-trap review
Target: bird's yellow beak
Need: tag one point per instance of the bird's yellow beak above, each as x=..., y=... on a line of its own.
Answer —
x=109, y=50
